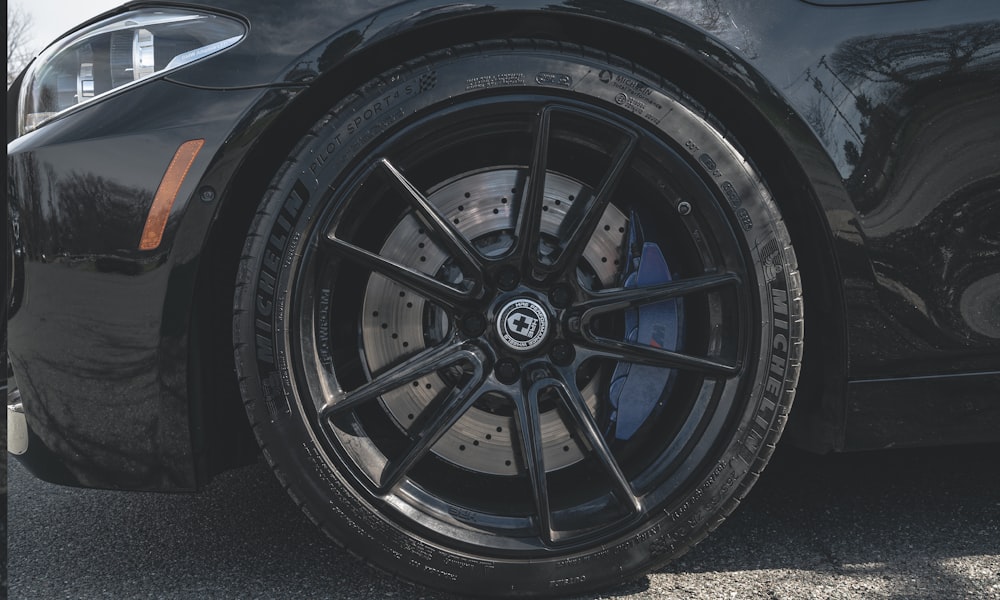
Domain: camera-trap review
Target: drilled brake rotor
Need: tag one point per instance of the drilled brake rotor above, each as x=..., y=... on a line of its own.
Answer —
x=398, y=323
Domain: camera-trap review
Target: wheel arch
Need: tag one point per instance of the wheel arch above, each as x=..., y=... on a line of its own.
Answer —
x=785, y=151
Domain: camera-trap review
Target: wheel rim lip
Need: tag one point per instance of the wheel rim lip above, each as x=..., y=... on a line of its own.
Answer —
x=410, y=489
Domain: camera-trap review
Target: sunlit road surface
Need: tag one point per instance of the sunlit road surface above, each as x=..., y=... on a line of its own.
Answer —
x=895, y=524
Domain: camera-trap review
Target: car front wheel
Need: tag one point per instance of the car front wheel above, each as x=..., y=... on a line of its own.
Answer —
x=518, y=319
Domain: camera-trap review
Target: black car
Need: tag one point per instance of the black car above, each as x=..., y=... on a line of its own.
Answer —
x=513, y=297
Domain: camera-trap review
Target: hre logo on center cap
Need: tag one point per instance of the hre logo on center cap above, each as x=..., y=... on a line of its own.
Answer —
x=522, y=324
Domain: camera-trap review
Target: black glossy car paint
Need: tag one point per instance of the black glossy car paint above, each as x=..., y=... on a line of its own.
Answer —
x=885, y=169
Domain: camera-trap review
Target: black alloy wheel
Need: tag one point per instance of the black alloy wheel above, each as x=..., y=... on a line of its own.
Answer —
x=518, y=320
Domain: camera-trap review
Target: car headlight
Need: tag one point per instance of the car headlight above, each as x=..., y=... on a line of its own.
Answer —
x=117, y=52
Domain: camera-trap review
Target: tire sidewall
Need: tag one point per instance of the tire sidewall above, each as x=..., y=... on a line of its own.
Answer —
x=272, y=384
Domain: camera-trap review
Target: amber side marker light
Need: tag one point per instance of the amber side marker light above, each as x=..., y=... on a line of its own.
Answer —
x=171, y=183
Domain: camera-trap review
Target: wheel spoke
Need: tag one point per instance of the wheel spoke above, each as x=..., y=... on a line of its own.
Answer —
x=587, y=430
x=631, y=298
x=404, y=373
x=527, y=232
x=656, y=357
x=624, y=298
x=435, y=420
x=528, y=422
x=587, y=215
x=421, y=283
x=463, y=252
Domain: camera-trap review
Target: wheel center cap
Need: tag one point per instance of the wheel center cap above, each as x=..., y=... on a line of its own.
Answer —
x=522, y=324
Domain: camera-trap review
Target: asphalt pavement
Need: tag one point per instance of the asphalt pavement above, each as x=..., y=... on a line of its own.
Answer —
x=892, y=524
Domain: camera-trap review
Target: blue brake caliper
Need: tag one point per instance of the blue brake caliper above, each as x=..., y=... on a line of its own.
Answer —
x=636, y=390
